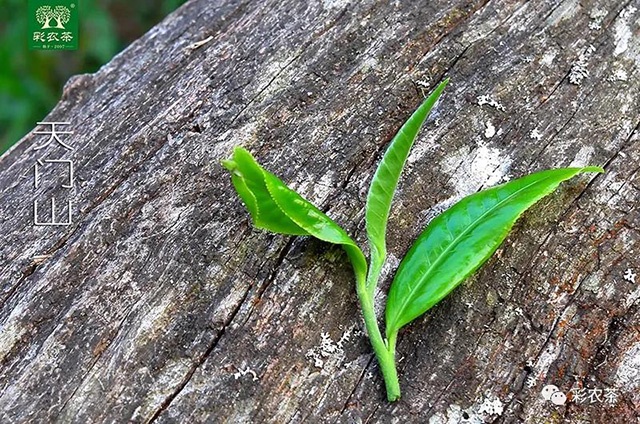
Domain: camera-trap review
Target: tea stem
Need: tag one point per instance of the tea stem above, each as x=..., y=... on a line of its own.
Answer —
x=385, y=352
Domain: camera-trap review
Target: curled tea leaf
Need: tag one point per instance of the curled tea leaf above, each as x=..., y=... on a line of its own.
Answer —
x=275, y=207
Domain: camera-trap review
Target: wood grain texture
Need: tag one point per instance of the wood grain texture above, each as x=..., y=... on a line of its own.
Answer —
x=161, y=303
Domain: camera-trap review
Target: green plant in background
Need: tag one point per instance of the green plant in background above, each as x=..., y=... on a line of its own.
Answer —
x=31, y=81
x=451, y=248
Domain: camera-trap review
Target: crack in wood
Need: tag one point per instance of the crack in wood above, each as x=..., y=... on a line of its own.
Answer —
x=212, y=345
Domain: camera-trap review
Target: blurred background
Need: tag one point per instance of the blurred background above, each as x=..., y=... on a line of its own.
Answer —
x=31, y=81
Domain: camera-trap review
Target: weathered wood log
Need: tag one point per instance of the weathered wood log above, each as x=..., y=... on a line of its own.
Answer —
x=161, y=303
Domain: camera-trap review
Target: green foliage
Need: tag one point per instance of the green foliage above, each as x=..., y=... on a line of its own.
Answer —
x=452, y=247
x=275, y=207
x=31, y=81
x=385, y=181
x=461, y=239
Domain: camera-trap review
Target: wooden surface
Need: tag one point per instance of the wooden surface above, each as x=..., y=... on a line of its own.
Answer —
x=162, y=304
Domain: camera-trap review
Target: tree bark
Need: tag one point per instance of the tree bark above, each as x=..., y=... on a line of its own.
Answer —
x=161, y=303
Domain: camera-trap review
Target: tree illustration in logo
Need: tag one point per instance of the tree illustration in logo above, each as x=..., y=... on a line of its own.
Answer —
x=61, y=14
x=45, y=14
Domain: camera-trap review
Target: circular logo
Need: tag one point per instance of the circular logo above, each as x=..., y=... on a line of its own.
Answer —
x=548, y=391
x=553, y=394
x=558, y=398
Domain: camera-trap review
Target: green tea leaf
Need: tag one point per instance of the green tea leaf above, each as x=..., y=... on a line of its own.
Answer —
x=461, y=239
x=315, y=222
x=275, y=207
x=248, y=179
x=385, y=181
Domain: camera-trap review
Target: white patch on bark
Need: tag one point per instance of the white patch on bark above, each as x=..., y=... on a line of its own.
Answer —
x=548, y=57
x=623, y=33
x=11, y=331
x=597, y=17
x=488, y=167
x=628, y=372
x=154, y=320
x=329, y=355
x=370, y=63
x=389, y=266
x=421, y=148
x=618, y=75
x=472, y=170
x=565, y=11
x=583, y=156
x=485, y=411
x=244, y=371
x=322, y=188
x=487, y=100
x=580, y=69
x=535, y=134
x=316, y=191
x=632, y=298
x=545, y=360
x=335, y=4
x=491, y=407
x=490, y=131
x=275, y=75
